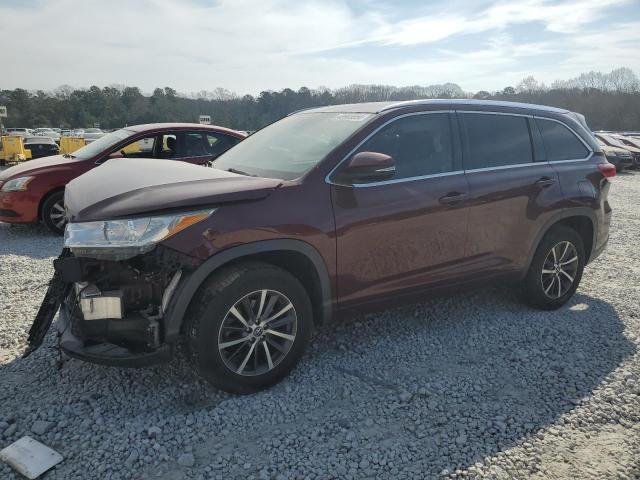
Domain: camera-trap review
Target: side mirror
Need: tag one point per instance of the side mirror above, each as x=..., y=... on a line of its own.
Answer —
x=366, y=167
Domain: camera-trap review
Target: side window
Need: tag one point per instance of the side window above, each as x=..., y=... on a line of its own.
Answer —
x=496, y=140
x=560, y=143
x=177, y=145
x=218, y=143
x=143, y=147
x=194, y=145
x=419, y=144
x=169, y=146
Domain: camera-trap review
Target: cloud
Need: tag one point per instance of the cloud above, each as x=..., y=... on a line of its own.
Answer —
x=248, y=46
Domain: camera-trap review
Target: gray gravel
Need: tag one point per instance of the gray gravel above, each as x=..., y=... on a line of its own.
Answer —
x=474, y=385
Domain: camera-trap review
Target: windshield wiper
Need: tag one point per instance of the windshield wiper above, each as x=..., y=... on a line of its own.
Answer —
x=240, y=172
x=68, y=155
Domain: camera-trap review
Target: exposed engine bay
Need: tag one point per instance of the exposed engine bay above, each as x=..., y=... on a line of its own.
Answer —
x=115, y=302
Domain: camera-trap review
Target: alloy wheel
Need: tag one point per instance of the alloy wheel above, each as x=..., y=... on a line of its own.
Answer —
x=57, y=215
x=257, y=332
x=559, y=269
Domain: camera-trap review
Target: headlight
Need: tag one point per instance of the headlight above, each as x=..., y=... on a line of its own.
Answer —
x=17, y=184
x=128, y=237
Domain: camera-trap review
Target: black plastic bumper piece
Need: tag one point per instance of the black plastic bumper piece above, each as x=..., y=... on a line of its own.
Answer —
x=107, y=353
x=8, y=213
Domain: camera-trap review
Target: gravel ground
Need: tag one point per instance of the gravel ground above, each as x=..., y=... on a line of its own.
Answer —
x=474, y=385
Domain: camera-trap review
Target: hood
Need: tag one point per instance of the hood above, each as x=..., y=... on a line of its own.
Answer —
x=136, y=186
x=33, y=166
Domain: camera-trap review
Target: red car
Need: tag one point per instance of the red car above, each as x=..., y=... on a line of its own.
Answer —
x=34, y=190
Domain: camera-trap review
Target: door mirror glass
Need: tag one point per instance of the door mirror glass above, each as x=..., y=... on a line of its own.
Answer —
x=366, y=167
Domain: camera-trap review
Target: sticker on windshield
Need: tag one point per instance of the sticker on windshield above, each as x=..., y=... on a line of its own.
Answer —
x=352, y=117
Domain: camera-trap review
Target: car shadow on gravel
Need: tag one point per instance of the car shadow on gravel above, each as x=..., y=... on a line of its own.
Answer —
x=439, y=385
x=482, y=373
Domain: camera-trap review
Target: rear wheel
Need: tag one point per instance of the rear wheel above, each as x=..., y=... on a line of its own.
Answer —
x=556, y=269
x=248, y=327
x=53, y=214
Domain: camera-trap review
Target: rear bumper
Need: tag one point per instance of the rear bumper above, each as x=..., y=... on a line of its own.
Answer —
x=106, y=353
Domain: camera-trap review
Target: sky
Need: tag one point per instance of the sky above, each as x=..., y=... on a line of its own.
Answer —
x=249, y=46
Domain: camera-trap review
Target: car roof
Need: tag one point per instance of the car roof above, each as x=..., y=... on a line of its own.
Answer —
x=379, y=107
x=181, y=126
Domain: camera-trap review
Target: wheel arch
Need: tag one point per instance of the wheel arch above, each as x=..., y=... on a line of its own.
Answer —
x=582, y=220
x=45, y=197
x=297, y=257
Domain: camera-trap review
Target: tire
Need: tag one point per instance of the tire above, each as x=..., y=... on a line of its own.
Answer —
x=246, y=365
x=551, y=289
x=51, y=209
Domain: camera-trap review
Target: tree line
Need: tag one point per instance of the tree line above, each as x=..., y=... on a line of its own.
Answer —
x=608, y=100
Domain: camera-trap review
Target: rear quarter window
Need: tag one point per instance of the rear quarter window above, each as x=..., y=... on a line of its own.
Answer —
x=496, y=140
x=560, y=143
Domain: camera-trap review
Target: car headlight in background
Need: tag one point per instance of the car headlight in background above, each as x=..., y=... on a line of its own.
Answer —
x=128, y=237
x=16, y=184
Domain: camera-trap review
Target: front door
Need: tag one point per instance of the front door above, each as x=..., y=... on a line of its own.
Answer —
x=406, y=233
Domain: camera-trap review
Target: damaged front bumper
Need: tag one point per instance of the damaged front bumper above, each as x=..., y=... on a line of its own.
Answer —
x=112, y=312
x=100, y=351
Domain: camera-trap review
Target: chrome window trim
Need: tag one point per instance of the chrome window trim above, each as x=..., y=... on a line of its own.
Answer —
x=402, y=180
x=457, y=172
x=587, y=146
x=505, y=167
x=398, y=180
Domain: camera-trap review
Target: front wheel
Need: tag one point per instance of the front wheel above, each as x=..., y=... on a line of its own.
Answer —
x=53, y=214
x=556, y=269
x=248, y=327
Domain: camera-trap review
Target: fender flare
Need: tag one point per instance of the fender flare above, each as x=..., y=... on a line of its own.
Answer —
x=566, y=213
x=190, y=284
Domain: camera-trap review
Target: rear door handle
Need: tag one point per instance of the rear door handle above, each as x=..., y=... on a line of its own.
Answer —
x=545, y=181
x=452, y=197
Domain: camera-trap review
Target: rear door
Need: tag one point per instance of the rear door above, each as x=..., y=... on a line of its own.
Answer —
x=513, y=190
x=408, y=232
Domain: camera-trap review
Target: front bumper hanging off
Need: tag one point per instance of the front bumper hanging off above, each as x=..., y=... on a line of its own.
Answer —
x=54, y=297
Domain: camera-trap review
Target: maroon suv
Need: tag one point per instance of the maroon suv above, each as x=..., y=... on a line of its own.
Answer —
x=324, y=213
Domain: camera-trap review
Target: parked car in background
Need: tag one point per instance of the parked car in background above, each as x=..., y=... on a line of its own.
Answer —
x=91, y=134
x=613, y=141
x=33, y=191
x=19, y=132
x=620, y=157
x=631, y=142
x=41, y=146
x=331, y=210
x=47, y=132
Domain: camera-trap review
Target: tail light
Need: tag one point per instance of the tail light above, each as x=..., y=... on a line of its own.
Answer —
x=607, y=169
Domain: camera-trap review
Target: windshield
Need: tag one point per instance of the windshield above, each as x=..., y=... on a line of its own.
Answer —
x=101, y=144
x=289, y=148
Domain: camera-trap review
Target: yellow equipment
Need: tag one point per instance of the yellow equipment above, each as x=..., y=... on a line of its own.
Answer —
x=71, y=144
x=13, y=150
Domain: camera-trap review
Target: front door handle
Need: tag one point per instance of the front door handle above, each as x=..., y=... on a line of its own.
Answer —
x=452, y=197
x=545, y=181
